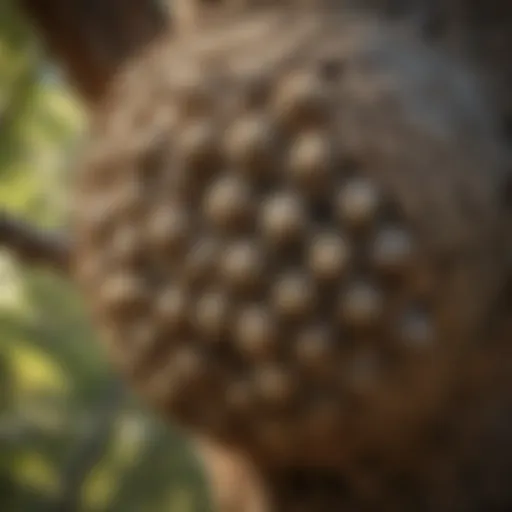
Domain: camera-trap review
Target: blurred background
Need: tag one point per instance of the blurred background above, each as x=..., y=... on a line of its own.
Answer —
x=71, y=437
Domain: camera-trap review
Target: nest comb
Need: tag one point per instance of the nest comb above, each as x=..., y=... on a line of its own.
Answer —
x=288, y=227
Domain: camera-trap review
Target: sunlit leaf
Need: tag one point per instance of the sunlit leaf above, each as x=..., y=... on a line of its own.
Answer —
x=31, y=470
x=35, y=371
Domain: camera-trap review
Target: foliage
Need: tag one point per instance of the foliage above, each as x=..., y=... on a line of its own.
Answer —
x=71, y=438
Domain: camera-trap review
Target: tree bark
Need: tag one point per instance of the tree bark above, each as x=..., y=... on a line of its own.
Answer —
x=91, y=39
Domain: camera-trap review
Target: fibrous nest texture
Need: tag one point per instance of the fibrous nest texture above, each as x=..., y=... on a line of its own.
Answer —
x=289, y=231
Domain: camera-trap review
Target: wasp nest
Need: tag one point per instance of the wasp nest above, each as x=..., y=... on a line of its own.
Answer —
x=288, y=230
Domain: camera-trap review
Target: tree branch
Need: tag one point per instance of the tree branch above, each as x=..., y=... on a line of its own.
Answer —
x=92, y=38
x=31, y=245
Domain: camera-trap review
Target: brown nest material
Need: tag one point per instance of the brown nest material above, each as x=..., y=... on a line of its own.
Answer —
x=290, y=229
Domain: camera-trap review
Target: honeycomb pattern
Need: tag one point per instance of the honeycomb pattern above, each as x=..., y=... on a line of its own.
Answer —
x=269, y=235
